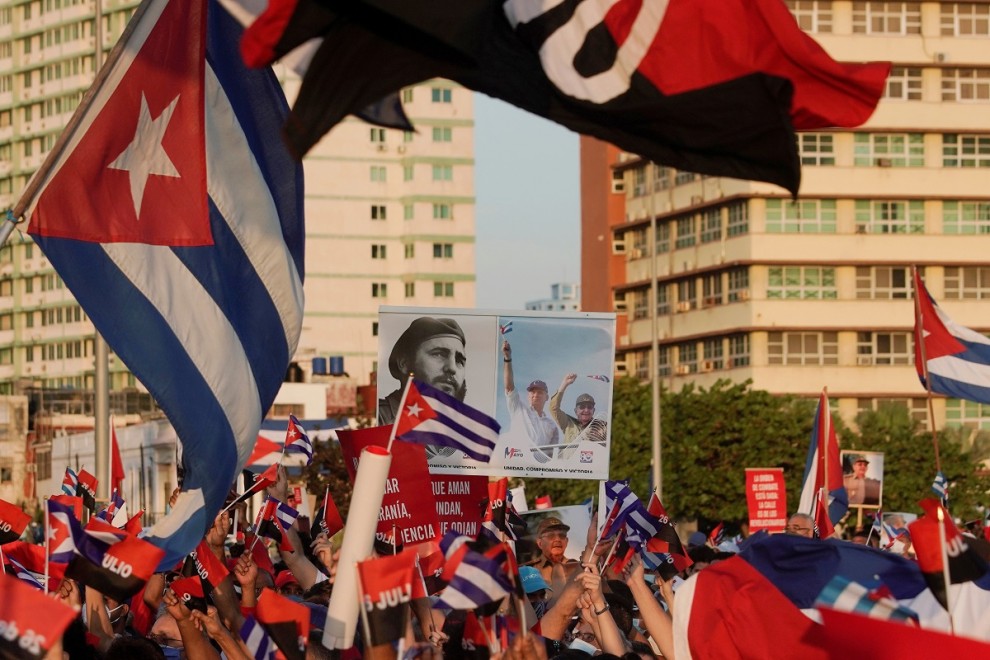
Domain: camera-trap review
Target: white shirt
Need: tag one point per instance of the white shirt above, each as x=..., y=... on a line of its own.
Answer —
x=541, y=429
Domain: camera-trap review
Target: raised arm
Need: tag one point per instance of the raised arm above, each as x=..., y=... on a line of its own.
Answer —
x=558, y=415
x=510, y=385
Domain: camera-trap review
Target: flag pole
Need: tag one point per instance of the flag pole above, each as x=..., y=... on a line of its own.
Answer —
x=48, y=548
x=945, y=567
x=402, y=405
x=919, y=338
x=364, y=612
x=826, y=440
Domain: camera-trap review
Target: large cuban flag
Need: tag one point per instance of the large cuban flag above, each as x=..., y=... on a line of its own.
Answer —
x=823, y=467
x=956, y=360
x=173, y=212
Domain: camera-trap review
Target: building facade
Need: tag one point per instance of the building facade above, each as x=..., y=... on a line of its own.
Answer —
x=564, y=297
x=801, y=295
x=390, y=215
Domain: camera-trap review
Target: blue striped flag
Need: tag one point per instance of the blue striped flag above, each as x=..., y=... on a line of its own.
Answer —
x=843, y=594
x=296, y=440
x=632, y=514
x=174, y=215
x=952, y=359
x=475, y=581
x=259, y=644
x=823, y=461
x=70, y=482
x=432, y=417
x=941, y=488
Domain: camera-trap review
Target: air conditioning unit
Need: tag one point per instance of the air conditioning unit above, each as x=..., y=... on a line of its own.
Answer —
x=618, y=186
x=884, y=162
x=744, y=294
x=636, y=253
x=708, y=365
x=618, y=246
x=682, y=369
x=621, y=367
x=860, y=229
x=684, y=306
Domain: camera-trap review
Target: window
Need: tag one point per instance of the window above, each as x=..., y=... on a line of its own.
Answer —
x=801, y=283
x=379, y=289
x=685, y=232
x=29, y=353
x=903, y=84
x=687, y=295
x=662, y=178
x=684, y=177
x=443, y=211
x=442, y=134
x=378, y=212
x=797, y=348
x=407, y=172
x=408, y=212
x=966, y=217
x=965, y=150
x=663, y=361
x=711, y=225
x=805, y=216
x=441, y=95
x=6, y=470
x=738, y=351
x=377, y=135
x=410, y=289
x=880, y=348
x=712, y=353
x=687, y=358
x=887, y=217
x=891, y=18
x=963, y=19
x=641, y=304
x=816, y=149
x=443, y=250
x=663, y=299
x=639, y=181
x=711, y=289
x=663, y=238
x=812, y=15
x=917, y=407
x=378, y=173
x=738, y=279
x=966, y=413
x=443, y=172
x=889, y=150
x=967, y=283
x=407, y=95
x=407, y=136
x=443, y=289
x=883, y=282
x=377, y=251
x=639, y=242
x=966, y=85
x=29, y=285
x=409, y=250
x=738, y=219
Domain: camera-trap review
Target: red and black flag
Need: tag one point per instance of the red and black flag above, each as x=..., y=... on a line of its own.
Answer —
x=112, y=561
x=86, y=489
x=269, y=525
x=32, y=621
x=965, y=565
x=190, y=591
x=256, y=483
x=13, y=520
x=666, y=541
x=285, y=621
x=327, y=518
x=74, y=503
x=208, y=566
x=710, y=86
x=387, y=589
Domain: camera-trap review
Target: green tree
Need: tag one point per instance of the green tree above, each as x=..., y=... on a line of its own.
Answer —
x=909, y=460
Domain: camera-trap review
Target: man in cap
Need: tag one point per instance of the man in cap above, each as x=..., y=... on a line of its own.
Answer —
x=554, y=567
x=579, y=427
x=433, y=351
x=861, y=489
x=532, y=419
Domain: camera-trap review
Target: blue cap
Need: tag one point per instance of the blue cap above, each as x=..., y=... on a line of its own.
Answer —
x=532, y=580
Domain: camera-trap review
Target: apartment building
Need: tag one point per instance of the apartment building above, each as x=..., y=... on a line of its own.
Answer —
x=799, y=295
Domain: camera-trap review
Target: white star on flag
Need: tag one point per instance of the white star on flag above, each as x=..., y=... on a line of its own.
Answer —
x=414, y=410
x=145, y=155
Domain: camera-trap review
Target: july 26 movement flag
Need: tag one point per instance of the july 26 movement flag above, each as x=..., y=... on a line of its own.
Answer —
x=173, y=212
x=432, y=417
x=710, y=86
x=13, y=520
x=327, y=518
x=21, y=611
x=956, y=360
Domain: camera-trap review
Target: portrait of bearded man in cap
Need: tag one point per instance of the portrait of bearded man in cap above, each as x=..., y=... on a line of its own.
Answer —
x=433, y=351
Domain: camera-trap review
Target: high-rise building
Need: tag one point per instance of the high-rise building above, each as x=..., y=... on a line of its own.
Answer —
x=802, y=294
x=389, y=215
x=564, y=296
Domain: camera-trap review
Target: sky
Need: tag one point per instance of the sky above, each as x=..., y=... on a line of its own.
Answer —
x=528, y=205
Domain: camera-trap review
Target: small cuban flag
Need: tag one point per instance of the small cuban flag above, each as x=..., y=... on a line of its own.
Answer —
x=505, y=328
x=296, y=440
x=941, y=488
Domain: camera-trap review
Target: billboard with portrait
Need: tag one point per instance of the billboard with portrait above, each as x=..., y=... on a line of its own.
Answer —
x=545, y=377
x=862, y=476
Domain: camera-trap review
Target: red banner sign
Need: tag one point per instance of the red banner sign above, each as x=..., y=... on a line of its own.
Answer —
x=767, y=499
x=459, y=502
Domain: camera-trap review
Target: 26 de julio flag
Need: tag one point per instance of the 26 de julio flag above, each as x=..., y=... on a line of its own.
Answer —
x=174, y=215
x=387, y=588
x=13, y=520
x=285, y=621
x=86, y=489
x=190, y=591
x=112, y=561
x=32, y=620
x=209, y=567
x=327, y=518
x=964, y=564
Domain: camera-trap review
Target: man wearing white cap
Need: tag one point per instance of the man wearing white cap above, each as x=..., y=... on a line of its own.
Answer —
x=534, y=419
